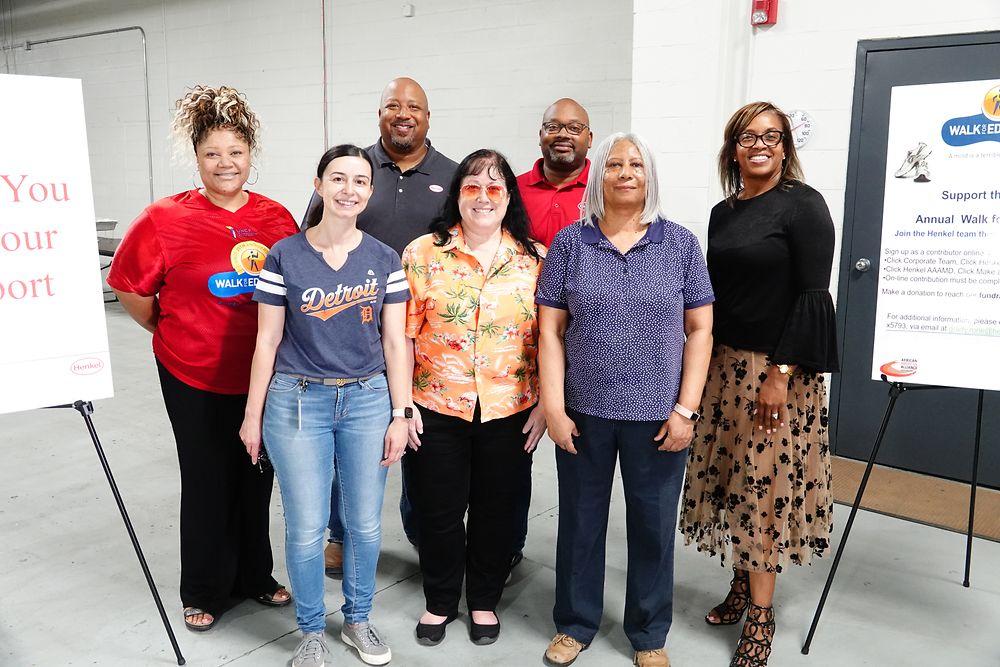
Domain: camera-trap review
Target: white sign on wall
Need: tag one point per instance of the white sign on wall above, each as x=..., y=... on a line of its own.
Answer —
x=938, y=316
x=53, y=337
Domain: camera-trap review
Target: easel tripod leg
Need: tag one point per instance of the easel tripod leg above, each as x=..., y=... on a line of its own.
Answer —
x=86, y=409
x=972, y=492
x=894, y=393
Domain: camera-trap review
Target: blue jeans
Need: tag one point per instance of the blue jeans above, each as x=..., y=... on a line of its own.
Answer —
x=340, y=428
x=652, y=482
x=406, y=511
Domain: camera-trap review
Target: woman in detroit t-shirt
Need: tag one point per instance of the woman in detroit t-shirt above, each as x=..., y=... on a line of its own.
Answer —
x=330, y=365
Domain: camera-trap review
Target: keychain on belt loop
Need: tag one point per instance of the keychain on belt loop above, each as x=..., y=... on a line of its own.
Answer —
x=303, y=383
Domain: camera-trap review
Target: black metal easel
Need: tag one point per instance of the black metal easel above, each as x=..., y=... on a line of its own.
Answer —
x=86, y=408
x=897, y=389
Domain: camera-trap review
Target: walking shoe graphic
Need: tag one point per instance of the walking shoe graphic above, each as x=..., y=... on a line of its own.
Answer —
x=914, y=158
x=923, y=173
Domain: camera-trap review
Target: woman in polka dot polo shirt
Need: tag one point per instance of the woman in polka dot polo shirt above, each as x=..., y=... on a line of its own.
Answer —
x=625, y=335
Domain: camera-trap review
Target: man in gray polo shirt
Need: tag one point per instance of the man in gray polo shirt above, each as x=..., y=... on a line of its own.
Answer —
x=411, y=182
x=411, y=178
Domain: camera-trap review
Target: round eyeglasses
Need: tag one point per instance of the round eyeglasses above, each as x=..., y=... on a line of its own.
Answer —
x=770, y=138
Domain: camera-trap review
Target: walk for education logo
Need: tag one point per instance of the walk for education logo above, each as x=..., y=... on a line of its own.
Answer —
x=974, y=129
x=247, y=259
x=899, y=369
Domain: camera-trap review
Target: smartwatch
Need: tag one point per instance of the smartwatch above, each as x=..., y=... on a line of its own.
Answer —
x=684, y=412
x=406, y=413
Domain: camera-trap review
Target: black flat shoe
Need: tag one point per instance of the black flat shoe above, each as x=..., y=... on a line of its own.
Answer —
x=483, y=634
x=431, y=634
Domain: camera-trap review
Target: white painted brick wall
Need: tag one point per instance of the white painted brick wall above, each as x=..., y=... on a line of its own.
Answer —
x=270, y=51
x=490, y=68
x=715, y=62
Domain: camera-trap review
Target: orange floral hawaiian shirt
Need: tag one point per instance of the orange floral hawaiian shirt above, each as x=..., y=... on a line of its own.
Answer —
x=475, y=335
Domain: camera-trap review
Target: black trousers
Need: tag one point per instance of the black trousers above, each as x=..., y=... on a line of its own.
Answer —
x=466, y=466
x=225, y=500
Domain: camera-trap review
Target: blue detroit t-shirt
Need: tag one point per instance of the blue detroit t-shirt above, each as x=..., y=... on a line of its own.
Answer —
x=332, y=318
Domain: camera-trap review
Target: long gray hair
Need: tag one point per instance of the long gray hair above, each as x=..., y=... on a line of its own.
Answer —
x=593, y=195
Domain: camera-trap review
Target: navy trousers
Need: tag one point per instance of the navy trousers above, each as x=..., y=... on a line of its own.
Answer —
x=652, y=481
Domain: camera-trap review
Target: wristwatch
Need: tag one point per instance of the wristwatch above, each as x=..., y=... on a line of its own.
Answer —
x=406, y=413
x=684, y=412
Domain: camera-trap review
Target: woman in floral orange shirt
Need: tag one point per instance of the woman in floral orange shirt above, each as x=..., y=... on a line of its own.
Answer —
x=473, y=327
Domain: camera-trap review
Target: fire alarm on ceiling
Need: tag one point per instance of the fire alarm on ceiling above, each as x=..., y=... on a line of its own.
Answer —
x=764, y=12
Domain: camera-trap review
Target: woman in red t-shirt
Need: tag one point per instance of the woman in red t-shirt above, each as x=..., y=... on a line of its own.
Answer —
x=186, y=271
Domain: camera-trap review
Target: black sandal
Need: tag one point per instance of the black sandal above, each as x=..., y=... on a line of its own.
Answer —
x=191, y=612
x=730, y=611
x=755, y=643
x=268, y=600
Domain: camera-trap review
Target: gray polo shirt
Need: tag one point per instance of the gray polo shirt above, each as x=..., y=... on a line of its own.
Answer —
x=404, y=203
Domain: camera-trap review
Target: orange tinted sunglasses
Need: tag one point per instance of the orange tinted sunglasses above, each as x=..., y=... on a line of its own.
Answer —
x=493, y=192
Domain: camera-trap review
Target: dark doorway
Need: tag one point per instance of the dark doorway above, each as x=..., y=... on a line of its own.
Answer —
x=931, y=431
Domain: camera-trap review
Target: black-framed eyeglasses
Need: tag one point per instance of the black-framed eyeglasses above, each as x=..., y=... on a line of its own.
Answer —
x=771, y=138
x=576, y=129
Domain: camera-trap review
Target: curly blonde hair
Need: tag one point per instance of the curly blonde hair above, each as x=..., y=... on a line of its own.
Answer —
x=204, y=109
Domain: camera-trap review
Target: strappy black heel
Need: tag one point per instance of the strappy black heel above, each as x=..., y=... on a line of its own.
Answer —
x=755, y=643
x=730, y=611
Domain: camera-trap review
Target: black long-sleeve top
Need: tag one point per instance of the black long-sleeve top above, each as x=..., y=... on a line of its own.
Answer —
x=769, y=258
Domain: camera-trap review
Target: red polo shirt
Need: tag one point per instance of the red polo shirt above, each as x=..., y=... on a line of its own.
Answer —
x=551, y=208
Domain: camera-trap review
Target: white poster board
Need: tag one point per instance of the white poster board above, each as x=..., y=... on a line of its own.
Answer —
x=938, y=315
x=53, y=337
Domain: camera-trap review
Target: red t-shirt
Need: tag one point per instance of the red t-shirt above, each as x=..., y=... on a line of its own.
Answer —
x=550, y=209
x=203, y=262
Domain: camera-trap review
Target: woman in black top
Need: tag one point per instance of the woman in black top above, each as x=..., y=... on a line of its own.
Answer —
x=758, y=483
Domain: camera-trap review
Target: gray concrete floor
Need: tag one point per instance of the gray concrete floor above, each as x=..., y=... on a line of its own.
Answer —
x=73, y=593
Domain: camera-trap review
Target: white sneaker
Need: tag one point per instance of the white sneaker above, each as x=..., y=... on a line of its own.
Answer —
x=365, y=638
x=923, y=173
x=909, y=167
x=312, y=651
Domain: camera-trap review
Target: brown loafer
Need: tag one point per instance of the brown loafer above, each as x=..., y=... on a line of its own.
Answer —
x=563, y=650
x=333, y=559
x=654, y=658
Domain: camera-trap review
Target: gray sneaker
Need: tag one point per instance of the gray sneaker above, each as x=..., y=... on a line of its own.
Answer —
x=364, y=637
x=312, y=651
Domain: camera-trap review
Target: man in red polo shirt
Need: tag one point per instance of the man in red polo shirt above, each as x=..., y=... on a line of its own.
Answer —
x=553, y=189
x=552, y=192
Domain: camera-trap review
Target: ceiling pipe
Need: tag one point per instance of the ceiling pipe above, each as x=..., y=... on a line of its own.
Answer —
x=145, y=80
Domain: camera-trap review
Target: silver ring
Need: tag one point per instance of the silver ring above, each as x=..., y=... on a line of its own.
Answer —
x=774, y=415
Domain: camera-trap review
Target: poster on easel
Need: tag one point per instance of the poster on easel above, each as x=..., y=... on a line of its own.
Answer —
x=937, y=320
x=53, y=335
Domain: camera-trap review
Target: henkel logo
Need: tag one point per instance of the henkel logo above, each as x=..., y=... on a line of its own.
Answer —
x=87, y=366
